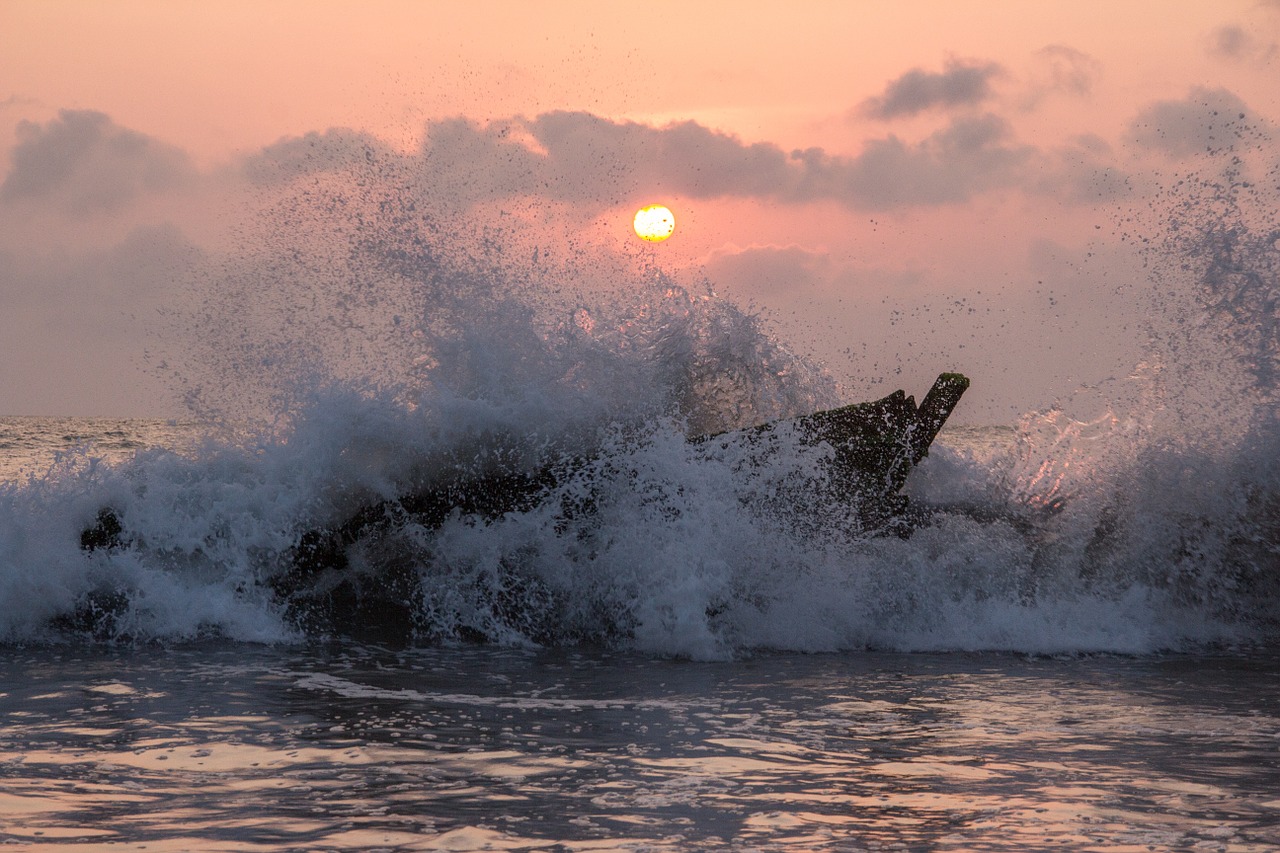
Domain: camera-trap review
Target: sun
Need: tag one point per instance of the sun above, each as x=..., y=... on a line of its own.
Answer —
x=654, y=223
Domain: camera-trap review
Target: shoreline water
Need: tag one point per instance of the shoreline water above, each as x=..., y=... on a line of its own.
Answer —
x=338, y=746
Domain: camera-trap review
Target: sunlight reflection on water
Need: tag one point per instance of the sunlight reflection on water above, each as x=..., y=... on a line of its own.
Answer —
x=251, y=748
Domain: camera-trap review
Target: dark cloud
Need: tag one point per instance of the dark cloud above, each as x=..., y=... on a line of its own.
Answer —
x=82, y=163
x=590, y=161
x=1205, y=120
x=961, y=84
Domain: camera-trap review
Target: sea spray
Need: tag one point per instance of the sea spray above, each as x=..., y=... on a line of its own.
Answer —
x=1165, y=482
x=355, y=351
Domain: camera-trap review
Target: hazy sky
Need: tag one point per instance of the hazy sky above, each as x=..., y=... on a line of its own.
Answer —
x=903, y=187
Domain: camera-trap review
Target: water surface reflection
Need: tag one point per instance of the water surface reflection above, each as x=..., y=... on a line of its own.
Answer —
x=350, y=747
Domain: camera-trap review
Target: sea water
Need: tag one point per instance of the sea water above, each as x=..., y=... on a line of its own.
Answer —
x=677, y=648
x=335, y=746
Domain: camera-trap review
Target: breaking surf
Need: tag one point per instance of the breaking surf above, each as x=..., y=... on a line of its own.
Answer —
x=366, y=348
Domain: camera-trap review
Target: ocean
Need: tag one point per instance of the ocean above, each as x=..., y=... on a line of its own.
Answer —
x=340, y=746
x=257, y=628
x=922, y=718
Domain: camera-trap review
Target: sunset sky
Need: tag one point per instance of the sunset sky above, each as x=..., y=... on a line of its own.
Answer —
x=902, y=188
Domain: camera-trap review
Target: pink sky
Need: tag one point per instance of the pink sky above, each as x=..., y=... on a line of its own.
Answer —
x=965, y=164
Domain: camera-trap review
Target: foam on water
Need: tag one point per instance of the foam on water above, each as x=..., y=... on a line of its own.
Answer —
x=363, y=349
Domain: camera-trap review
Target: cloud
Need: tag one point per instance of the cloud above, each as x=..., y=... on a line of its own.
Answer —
x=962, y=84
x=14, y=101
x=762, y=272
x=1084, y=171
x=98, y=280
x=1230, y=42
x=1058, y=68
x=467, y=163
x=76, y=321
x=590, y=161
x=82, y=163
x=335, y=150
x=581, y=158
x=966, y=157
x=1205, y=120
x=1236, y=44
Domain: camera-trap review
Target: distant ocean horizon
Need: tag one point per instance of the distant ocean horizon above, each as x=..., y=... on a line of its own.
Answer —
x=31, y=444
